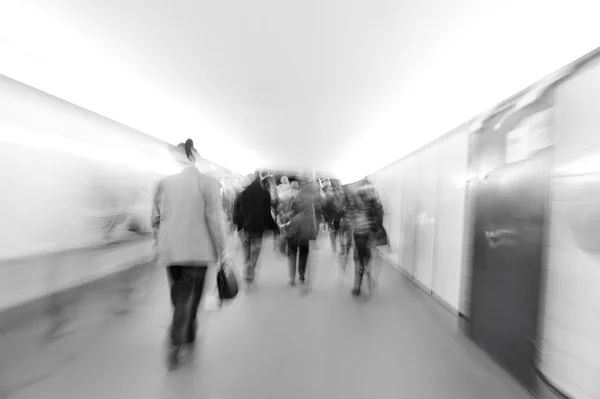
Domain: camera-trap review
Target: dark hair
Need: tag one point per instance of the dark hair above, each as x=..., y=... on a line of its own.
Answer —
x=189, y=148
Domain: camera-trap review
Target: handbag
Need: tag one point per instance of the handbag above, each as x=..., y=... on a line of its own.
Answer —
x=381, y=237
x=227, y=283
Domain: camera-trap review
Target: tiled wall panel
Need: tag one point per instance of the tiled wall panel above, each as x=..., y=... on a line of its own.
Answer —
x=451, y=218
x=571, y=305
x=426, y=220
x=69, y=178
x=427, y=226
x=410, y=209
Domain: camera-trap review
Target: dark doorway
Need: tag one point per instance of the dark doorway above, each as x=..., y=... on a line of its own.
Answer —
x=513, y=161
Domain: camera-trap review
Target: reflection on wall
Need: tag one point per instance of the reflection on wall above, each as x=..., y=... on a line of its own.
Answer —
x=70, y=178
x=451, y=224
x=426, y=219
x=570, y=326
x=469, y=223
x=424, y=201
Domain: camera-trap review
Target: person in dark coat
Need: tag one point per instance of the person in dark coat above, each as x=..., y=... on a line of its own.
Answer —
x=331, y=215
x=304, y=224
x=253, y=217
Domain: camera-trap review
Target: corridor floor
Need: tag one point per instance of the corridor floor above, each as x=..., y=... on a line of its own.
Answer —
x=275, y=343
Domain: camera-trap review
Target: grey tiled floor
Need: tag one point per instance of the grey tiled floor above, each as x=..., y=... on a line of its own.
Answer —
x=276, y=343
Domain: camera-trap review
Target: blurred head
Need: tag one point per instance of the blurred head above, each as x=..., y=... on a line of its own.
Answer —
x=305, y=177
x=295, y=184
x=285, y=180
x=269, y=182
x=190, y=152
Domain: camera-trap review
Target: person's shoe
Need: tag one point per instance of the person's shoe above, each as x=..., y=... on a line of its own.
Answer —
x=250, y=286
x=191, y=338
x=188, y=355
x=342, y=262
x=173, y=358
x=302, y=280
x=292, y=283
x=356, y=292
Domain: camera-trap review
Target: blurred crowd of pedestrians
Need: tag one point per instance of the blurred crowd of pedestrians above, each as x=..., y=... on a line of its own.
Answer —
x=191, y=237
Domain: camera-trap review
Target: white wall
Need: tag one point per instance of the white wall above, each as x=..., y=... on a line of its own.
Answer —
x=570, y=312
x=65, y=173
x=31, y=278
x=425, y=198
x=469, y=222
x=570, y=321
x=451, y=218
x=389, y=184
x=410, y=208
x=426, y=221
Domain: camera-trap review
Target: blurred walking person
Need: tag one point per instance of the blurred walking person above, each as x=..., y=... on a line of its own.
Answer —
x=227, y=198
x=271, y=186
x=345, y=230
x=331, y=216
x=253, y=219
x=287, y=226
x=284, y=192
x=304, y=228
x=283, y=187
x=366, y=218
x=188, y=217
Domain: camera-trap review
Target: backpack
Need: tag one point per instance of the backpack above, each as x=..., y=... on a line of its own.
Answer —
x=288, y=218
x=375, y=211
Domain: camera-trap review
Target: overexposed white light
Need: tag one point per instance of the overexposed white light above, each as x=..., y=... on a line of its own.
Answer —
x=463, y=179
x=485, y=52
x=118, y=155
x=425, y=218
x=124, y=98
x=583, y=166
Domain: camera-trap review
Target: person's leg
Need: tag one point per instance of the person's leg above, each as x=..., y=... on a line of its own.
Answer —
x=276, y=240
x=180, y=291
x=332, y=237
x=282, y=244
x=292, y=253
x=173, y=274
x=368, y=260
x=336, y=228
x=360, y=243
x=246, y=243
x=303, y=249
x=347, y=238
x=367, y=254
x=343, y=254
x=199, y=278
x=255, y=247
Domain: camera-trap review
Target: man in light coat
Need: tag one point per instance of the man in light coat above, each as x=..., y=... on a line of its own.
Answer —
x=188, y=222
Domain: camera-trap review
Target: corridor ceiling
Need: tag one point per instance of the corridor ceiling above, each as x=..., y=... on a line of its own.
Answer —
x=345, y=86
